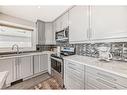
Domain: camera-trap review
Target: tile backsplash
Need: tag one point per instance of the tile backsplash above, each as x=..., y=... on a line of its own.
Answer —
x=117, y=49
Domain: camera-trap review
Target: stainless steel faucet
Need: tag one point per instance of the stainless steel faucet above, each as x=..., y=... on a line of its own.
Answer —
x=17, y=47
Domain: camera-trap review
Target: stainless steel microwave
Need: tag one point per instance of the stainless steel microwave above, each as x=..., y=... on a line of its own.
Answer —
x=63, y=35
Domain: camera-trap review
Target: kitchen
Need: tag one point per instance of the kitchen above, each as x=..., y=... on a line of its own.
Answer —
x=77, y=47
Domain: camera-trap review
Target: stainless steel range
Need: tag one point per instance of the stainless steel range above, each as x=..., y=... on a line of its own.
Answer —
x=57, y=64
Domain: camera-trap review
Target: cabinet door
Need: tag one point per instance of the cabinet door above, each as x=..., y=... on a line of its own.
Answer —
x=59, y=24
x=108, y=22
x=25, y=66
x=73, y=75
x=8, y=65
x=54, y=32
x=78, y=24
x=43, y=62
x=65, y=20
x=36, y=64
x=48, y=33
x=40, y=32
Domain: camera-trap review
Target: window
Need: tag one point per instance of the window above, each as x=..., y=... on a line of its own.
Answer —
x=10, y=35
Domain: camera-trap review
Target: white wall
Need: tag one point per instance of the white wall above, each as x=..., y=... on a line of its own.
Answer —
x=11, y=19
x=6, y=19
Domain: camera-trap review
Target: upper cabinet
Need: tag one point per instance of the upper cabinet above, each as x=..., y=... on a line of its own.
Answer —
x=62, y=22
x=54, y=31
x=65, y=20
x=108, y=22
x=40, y=26
x=48, y=33
x=45, y=33
x=58, y=24
x=78, y=24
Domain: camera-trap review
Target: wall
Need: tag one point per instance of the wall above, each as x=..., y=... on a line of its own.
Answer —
x=117, y=49
x=10, y=20
x=15, y=20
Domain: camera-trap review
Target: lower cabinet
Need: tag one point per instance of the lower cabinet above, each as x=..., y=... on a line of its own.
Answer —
x=98, y=79
x=8, y=65
x=79, y=76
x=73, y=75
x=40, y=63
x=23, y=67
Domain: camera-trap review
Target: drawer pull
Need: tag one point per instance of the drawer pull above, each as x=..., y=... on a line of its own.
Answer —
x=106, y=76
x=106, y=83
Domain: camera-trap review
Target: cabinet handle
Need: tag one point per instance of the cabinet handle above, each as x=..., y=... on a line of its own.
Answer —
x=106, y=83
x=106, y=76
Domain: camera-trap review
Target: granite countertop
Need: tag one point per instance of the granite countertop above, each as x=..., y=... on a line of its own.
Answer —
x=115, y=67
x=24, y=54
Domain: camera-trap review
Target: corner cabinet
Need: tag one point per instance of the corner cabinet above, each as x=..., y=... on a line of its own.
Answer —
x=79, y=24
x=108, y=22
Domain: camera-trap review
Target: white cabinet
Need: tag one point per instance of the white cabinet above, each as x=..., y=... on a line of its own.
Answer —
x=108, y=22
x=40, y=28
x=65, y=20
x=8, y=65
x=54, y=32
x=48, y=33
x=62, y=22
x=23, y=67
x=40, y=63
x=43, y=62
x=59, y=24
x=73, y=75
x=98, y=79
x=78, y=24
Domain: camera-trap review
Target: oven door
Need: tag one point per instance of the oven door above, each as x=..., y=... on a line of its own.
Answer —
x=56, y=64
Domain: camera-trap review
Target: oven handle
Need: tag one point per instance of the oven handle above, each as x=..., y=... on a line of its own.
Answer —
x=59, y=60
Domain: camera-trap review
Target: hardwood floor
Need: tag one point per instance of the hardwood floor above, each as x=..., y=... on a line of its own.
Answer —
x=43, y=81
x=50, y=83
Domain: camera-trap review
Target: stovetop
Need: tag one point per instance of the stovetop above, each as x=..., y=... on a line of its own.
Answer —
x=61, y=55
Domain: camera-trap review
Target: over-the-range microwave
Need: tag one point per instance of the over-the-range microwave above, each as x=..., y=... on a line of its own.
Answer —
x=63, y=35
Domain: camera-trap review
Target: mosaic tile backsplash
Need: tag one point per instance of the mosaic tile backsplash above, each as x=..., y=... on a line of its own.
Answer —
x=117, y=49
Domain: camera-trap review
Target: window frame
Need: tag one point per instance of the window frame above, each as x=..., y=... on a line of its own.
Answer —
x=33, y=42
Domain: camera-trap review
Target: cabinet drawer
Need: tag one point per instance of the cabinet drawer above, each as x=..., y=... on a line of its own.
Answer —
x=120, y=81
x=89, y=86
x=95, y=83
x=77, y=73
x=76, y=66
x=74, y=82
x=75, y=77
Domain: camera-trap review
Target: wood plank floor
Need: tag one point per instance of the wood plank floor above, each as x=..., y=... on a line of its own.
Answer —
x=48, y=84
x=43, y=81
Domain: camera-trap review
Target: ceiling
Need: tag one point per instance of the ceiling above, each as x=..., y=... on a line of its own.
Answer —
x=32, y=13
